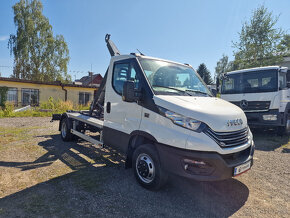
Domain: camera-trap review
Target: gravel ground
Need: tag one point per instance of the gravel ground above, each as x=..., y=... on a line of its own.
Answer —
x=42, y=176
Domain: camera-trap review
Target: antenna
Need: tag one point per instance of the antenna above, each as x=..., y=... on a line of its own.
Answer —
x=140, y=52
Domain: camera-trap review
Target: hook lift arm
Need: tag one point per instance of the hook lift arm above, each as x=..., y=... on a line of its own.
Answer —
x=114, y=51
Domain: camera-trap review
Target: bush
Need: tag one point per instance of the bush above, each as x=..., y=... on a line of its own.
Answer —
x=50, y=104
x=82, y=107
x=63, y=106
x=8, y=109
x=3, y=95
x=54, y=106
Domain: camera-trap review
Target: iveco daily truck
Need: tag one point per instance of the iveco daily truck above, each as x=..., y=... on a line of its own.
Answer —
x=263, y=95
x=162, y=117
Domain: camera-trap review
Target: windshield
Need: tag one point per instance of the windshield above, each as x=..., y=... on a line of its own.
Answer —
x=250, y=82
x=168, y=78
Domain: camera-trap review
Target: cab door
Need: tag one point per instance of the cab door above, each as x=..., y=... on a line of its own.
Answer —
x=121, y=118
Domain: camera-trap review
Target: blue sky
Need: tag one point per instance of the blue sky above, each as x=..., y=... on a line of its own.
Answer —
x=194, y=32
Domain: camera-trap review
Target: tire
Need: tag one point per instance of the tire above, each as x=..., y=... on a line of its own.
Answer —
x=147, y=168
x=284, y=130
x=65, y=130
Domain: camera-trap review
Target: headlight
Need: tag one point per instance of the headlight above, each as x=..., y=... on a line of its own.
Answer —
x=181, y=120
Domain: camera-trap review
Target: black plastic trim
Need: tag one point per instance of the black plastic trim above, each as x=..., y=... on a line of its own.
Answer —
x=172, y=161
x=144, y=134
x=108, y=107
x=255, y=119
x=116, y=139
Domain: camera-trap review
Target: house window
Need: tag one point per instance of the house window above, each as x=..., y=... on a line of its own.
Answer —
x=84, y=98
x=30, y=97
x=12, y=95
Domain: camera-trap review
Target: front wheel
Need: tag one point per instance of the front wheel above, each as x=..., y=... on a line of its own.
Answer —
x=147, y=167
x=285, y=130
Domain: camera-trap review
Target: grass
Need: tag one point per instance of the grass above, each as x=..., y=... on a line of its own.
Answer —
x=36, y=175
x=51, y=107
x=88, y=180
x=8, y=135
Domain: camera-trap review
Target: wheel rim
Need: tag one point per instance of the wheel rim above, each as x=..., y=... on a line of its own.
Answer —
x=145, y=168
x=288, y=127
x=63, y=129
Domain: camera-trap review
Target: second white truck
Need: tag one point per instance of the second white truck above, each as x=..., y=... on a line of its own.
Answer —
x=162, y=117
x=263, y=94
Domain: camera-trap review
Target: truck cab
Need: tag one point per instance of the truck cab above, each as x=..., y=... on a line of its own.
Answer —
x=162, y=117
x=262, y=93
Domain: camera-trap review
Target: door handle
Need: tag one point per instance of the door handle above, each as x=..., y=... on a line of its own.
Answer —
x=108, y=107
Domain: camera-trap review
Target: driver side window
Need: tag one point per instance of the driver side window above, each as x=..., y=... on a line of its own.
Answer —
x=124, y=72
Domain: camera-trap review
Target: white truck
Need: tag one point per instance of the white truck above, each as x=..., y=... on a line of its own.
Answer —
x=262, y=93
x=162, y=117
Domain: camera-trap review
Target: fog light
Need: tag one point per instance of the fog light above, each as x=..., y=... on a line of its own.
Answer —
x=270, y=117
x=197, y=167
x=194, y=162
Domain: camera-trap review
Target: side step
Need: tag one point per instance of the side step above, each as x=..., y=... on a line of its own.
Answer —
x=87, y=138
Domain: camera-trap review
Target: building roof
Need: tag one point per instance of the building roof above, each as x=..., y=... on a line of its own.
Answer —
x=56, y=83
x=87, y=80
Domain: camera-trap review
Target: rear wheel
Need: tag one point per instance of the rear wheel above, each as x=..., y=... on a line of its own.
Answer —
x=65, y=130
x=147, y=167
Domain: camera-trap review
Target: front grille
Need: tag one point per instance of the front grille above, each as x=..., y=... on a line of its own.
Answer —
x=238, y=156
x=252, y=105
x=228, y=139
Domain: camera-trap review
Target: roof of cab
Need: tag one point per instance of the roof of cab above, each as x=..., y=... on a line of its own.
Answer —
x=133, y=55
x=254, y=69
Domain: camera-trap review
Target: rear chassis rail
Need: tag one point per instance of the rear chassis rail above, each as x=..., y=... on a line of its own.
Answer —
x=77, y=118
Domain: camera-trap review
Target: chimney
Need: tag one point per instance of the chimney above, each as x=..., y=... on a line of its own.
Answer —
x=91, y=75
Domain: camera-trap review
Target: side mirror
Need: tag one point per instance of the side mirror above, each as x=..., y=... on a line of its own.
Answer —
x=217, y=82
x=217, y=85
x=214, y=92
x=129, y=93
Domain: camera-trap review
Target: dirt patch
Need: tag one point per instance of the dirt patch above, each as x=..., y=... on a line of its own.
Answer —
x=43, y=176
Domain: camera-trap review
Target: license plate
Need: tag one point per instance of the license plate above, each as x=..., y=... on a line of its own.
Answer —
x=242, y=168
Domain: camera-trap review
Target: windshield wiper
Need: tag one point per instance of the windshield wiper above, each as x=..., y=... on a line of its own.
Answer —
x=180, y=90
x=197, y=91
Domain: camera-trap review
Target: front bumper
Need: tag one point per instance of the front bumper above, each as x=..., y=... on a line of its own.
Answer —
x=255, y=119
x=218, y=167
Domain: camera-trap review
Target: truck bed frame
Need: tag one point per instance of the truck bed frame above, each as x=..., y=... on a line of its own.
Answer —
x=93, y=118
x=86, y=119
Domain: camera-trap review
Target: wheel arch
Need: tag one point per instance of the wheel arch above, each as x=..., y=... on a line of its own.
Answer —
x=136, y=139
x=63, y=116
x=287, y=110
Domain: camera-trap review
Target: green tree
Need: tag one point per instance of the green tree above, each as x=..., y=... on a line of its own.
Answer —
x=222, y=66
x=3, y=95
x=38, y=55
x=204, y=74
x=285, y=45
x=259, y=41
